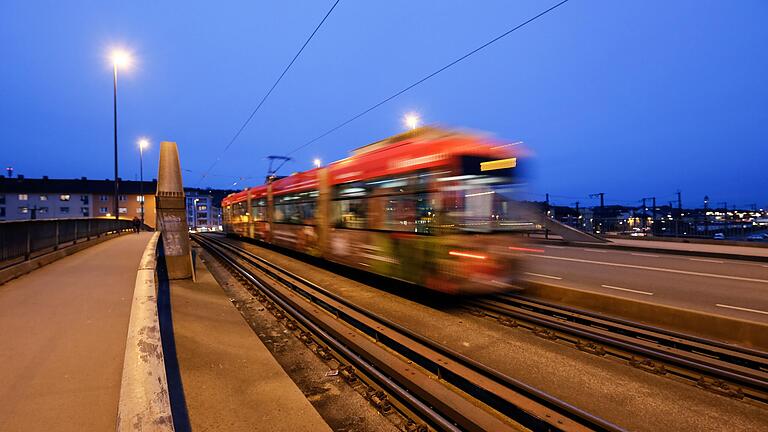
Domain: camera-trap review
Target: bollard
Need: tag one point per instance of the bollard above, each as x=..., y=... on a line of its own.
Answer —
x=172, y=213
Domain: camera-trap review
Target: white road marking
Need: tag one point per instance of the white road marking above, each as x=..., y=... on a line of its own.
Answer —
x=644, y=255
x=763, y=265
x=555, y=247
x=595, y=250
x=544, y=276
x=741, y=309
x=653, y=268
x=626, y=289
x=705, y=260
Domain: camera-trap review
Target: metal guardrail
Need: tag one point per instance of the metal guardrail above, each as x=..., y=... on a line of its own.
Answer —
x=22, y=240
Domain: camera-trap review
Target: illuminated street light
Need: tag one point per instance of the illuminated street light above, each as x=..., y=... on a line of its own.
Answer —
x=412, y=120
x=317, y=162
x=120, y=58
x=143, y=143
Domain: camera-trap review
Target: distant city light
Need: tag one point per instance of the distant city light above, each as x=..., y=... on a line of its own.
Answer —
x=121, y=58
x=412, y=120
x=317, y=162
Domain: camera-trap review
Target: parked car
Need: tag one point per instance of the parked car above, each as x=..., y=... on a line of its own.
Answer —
x=719, y=236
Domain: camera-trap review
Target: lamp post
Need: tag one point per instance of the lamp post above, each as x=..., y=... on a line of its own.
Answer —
x=194, y=213
x=119, y=58
x=143, y=143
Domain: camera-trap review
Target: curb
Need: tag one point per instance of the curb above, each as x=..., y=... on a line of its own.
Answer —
x=144, y=401
x=734, y=331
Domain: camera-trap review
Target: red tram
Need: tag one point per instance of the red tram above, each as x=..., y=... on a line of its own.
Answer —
x=430, y=206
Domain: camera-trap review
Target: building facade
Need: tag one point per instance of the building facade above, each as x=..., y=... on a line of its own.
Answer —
x=44, y=198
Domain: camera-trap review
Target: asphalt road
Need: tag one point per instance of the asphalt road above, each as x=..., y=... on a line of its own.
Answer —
x=725, y=287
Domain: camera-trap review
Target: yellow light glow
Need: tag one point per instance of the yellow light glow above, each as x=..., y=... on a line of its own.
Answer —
x=412, y=120
x=121, y=58
x=498, y=164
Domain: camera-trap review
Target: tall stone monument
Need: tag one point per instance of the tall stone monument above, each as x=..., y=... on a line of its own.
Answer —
x=172, y=213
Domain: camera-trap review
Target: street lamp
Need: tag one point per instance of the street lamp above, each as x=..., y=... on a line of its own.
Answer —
x=119, y=58
x=412, y=120
x=317, y=162
x=143, y=143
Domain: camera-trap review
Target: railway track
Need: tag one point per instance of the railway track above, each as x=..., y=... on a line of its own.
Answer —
x=728, y=370
x=438, y=388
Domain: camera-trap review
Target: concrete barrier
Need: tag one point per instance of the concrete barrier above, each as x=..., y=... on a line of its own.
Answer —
x=24, y=267
x=711, y=326
x=144, y=401
x=651, y=249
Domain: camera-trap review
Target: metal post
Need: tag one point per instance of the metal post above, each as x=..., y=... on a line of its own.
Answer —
x=75, y=241
x=117, y=188
x=141, y=183
x=56, y=243
x=28, y=251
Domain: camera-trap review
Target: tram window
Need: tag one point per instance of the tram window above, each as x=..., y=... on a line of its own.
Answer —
x=350, y=213
x=296, y=208
x=412, y=213
x=259, y=208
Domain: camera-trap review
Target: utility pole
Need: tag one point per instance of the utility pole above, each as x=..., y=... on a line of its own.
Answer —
x=706, y=217
x=546, y=224
x=679, y=213
x=725, y=215
x=653, y=221
x=578, y=215
x=602, y=208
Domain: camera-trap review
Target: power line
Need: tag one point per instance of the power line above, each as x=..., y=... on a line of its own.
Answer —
x=263, y=99
x=454, y=62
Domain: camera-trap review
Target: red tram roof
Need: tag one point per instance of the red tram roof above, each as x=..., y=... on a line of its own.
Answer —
x=414, y=150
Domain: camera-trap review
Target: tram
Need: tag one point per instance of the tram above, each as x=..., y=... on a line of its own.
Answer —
x=432, y=207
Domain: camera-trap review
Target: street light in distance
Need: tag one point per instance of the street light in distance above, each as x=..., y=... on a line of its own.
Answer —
x=412, y=120
x=317, y=162
x=143, y=143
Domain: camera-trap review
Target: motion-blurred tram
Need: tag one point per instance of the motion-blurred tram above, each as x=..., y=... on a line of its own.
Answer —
x=429, y=206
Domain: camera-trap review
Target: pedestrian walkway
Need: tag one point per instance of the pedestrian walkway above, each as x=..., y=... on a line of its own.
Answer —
x=231, y=381
x=63, y=331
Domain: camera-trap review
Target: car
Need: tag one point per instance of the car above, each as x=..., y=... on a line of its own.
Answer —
x=719, y=236
x=757, y=237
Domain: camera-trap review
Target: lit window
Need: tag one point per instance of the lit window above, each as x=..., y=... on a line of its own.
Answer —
x=64, y=197
x=42, y=210
x=202, y=208
x=43, y=197
x=103, y=210
x=23, y=209
x=123, y=210
x=63, y=209
x=139, y=198
x=85, y=211
x=23, y=197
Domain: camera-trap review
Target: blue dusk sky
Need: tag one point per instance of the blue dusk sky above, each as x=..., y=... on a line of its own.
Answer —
x=633, y=99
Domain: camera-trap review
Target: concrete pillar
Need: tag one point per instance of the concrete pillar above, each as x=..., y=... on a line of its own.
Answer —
x=172, y=213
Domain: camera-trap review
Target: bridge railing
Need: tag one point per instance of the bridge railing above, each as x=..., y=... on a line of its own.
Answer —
x=22, y=240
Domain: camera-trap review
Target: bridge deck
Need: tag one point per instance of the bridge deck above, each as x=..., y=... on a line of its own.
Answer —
x=63, y=331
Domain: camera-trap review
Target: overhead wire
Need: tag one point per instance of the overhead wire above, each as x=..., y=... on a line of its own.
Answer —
x=271, y=89
x=427, y=77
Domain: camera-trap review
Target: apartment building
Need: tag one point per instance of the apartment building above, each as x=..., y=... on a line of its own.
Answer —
x=45, y=198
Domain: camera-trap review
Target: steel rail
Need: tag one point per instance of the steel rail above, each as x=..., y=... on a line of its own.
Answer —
x=573, y=415
x=694, y=358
